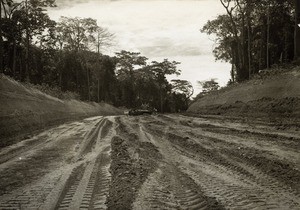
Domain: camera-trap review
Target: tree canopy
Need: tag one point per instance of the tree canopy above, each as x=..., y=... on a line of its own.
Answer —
x=254, y=35
x=67, y=55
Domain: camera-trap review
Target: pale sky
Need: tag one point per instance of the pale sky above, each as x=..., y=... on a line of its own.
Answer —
x=158, y=29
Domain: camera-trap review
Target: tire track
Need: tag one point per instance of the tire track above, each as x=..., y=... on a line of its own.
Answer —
x=88, y=185
x=285, y=140
x=30, y=197
x=168, y=187
x=283, y=196
x=154, y=195
x=189, y=194
x=238, y=197
x=35, y=180
x=25, y=147
x=82, y=193
x=79, y=188
x=103, y=180
x=191, y=148
x=266, y=148
x=90, y=139
x=160, y=162
x=64, y=184
x=283, y=193
x=246, y=175
x=253, y=132
x=242, y=189
x=70, y=189
x=265, y=160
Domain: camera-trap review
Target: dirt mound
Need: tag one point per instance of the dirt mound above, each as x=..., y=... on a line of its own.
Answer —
x=132, y=162
x=23, y=110
x=277, y=95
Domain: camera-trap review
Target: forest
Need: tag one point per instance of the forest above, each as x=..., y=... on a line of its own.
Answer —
x=65, y=56
x=256, y=34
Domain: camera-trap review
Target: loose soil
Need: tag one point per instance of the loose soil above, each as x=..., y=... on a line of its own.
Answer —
x=273, y=97
x=154, y=162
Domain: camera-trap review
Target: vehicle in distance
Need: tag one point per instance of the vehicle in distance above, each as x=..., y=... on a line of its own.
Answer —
x=135, y=112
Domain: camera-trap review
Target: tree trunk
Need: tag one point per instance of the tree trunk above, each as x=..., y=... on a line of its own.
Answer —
x=88, y=83
x=161, y=102
x=297, y=31
x=249, y=45
x=103, y=91
x=262, y=48
x=239, y=47
x=243, y=50
x=286, y=47
x=268, y=37
x=60, y=79
x=98, y=44
x=14, y=59
x=27, y=73
x=1, y=41
x=21, y=69
x=98, y=90
x=234, y=61
x=61, y=68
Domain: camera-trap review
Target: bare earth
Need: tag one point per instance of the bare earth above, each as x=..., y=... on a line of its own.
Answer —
x=153, y=162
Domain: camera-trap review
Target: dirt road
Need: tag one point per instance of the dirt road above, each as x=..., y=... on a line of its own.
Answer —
x=153, y=162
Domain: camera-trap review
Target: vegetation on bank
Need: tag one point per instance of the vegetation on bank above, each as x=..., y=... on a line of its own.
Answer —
x=256, y=34
x=258, y=38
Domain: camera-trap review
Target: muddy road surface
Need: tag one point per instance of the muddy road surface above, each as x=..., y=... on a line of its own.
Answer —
x=153, y=162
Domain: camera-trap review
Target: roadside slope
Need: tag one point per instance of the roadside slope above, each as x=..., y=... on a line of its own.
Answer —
x=273, y=95
x=24, y=109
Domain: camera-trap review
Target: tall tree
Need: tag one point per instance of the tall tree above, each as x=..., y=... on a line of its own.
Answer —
x=253, y=35
x=1, y=40
x=23, y=22
x=103, y=38
x=7, y=7
x=102, y=69
x=77, y=33
x=35, y=22
x=208, y=86
x=226, y=48
x=249, y=7
x=183, y=87
x=232, y=7
x=297, y=30
x=160, y=70
x=127, y=64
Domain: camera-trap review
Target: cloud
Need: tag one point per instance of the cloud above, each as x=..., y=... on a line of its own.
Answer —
x=69, y=3
x=165, y=47
x=170, y=50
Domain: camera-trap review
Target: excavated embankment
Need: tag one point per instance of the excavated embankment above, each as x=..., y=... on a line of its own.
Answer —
x=23, y=110
x=273, y=96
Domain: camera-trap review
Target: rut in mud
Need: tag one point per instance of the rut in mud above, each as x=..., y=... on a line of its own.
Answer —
x=153, y=162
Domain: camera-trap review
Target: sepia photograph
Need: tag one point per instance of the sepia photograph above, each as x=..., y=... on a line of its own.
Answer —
x=150, y=104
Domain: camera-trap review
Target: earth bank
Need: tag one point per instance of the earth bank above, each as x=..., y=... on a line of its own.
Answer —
x=272, y=94
x=23, y=110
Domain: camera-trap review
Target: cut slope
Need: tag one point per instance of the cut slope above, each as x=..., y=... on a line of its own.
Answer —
x=24, y=109
x=278, y=94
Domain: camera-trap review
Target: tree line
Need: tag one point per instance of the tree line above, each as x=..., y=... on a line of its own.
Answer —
x=67, y=55
x=256, y=34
